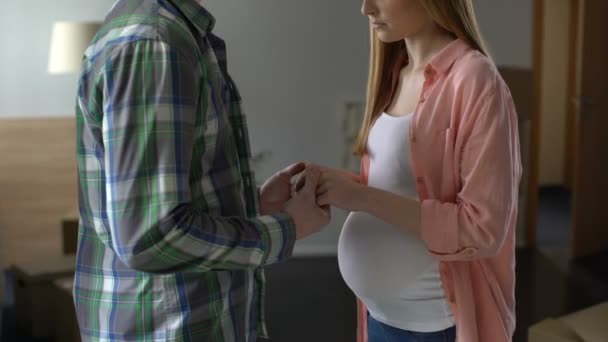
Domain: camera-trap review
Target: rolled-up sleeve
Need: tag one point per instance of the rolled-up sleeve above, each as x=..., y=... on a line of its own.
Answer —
x=477, y=223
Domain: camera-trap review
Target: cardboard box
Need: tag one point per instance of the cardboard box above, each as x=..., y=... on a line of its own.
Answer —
x=66, y=325
x=2, y=291
x=69, y=233
x=34, y=307
x=589, y=325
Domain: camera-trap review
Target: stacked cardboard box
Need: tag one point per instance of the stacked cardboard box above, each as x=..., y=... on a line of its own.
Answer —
x=1, y=293
x=69, y=232
x=589, y=325
x=34, y=292
x=66, y=325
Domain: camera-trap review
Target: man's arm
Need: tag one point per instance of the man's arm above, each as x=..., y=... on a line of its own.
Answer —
x=151, y=98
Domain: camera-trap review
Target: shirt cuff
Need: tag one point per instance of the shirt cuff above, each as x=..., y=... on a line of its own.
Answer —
x=439, y=230
x=278, y=237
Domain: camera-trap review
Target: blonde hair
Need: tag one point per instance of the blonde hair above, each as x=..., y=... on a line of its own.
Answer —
x=455, y=16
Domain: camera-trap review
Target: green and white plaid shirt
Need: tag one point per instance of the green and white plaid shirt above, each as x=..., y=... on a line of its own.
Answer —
x=171, y=244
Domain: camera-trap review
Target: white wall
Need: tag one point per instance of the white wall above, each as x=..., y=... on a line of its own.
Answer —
x=295, y=62
x=26, y=89
x=507, y=26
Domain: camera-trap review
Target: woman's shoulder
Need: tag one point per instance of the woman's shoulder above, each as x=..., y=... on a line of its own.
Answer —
x=476, y=74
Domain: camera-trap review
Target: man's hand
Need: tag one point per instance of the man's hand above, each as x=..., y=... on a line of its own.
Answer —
x=276, y=191
x=309, y=218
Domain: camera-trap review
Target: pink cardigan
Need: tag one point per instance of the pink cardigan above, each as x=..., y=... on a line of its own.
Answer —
x=466, y=159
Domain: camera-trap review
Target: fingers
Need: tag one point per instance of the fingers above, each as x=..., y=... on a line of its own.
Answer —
x=299, y=184
x=355, y=177
x=326, y=210
x=298, y=170
x=322, y=188
x=323, y=200
x=312, y=177
x=326, y=175
x=294, y=169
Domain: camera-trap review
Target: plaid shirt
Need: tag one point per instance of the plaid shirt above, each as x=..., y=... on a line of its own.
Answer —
x=171, y=246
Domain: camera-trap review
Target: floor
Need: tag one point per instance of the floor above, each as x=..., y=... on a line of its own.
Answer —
x=543, y=290
x=309, y=302
x=553, y=228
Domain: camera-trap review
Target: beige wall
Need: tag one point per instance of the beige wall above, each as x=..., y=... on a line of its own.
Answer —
x=37, y=186
x=553, y=102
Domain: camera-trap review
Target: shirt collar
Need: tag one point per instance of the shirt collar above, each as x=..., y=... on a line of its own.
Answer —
x=444, y=60
x=202, y=19
x=441, y=62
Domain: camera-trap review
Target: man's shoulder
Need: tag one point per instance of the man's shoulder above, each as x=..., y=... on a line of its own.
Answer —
x=132, y=21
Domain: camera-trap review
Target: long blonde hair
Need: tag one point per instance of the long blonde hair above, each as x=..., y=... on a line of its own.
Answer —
x=455, y=16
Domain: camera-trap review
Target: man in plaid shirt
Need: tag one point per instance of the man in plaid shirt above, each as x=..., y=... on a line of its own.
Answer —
x=174, y=234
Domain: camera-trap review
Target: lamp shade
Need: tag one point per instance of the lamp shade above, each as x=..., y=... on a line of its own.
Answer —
x=68, y=43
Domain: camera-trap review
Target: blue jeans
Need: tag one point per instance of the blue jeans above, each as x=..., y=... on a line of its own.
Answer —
x=380, y=332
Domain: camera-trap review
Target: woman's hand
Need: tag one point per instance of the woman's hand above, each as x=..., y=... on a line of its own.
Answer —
x=341, y=189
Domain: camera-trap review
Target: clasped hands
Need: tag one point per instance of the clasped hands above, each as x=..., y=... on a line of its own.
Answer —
x=307, y=192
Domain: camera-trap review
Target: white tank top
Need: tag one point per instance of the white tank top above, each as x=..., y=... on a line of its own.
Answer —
x=389, y=269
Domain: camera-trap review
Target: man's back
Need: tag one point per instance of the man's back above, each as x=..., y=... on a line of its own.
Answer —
x=170, y=247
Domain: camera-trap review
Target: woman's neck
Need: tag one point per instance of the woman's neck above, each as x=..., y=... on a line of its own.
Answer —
x=425, y=44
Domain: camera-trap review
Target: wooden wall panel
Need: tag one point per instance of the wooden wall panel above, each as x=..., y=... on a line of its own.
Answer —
x=38, y=185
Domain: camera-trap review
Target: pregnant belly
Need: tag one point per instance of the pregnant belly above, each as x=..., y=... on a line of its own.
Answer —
x=379, y=260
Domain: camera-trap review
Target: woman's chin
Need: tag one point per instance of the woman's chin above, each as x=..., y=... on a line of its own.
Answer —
x=387, y=37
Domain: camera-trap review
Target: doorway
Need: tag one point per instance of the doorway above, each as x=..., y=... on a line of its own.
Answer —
x=569, y=157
